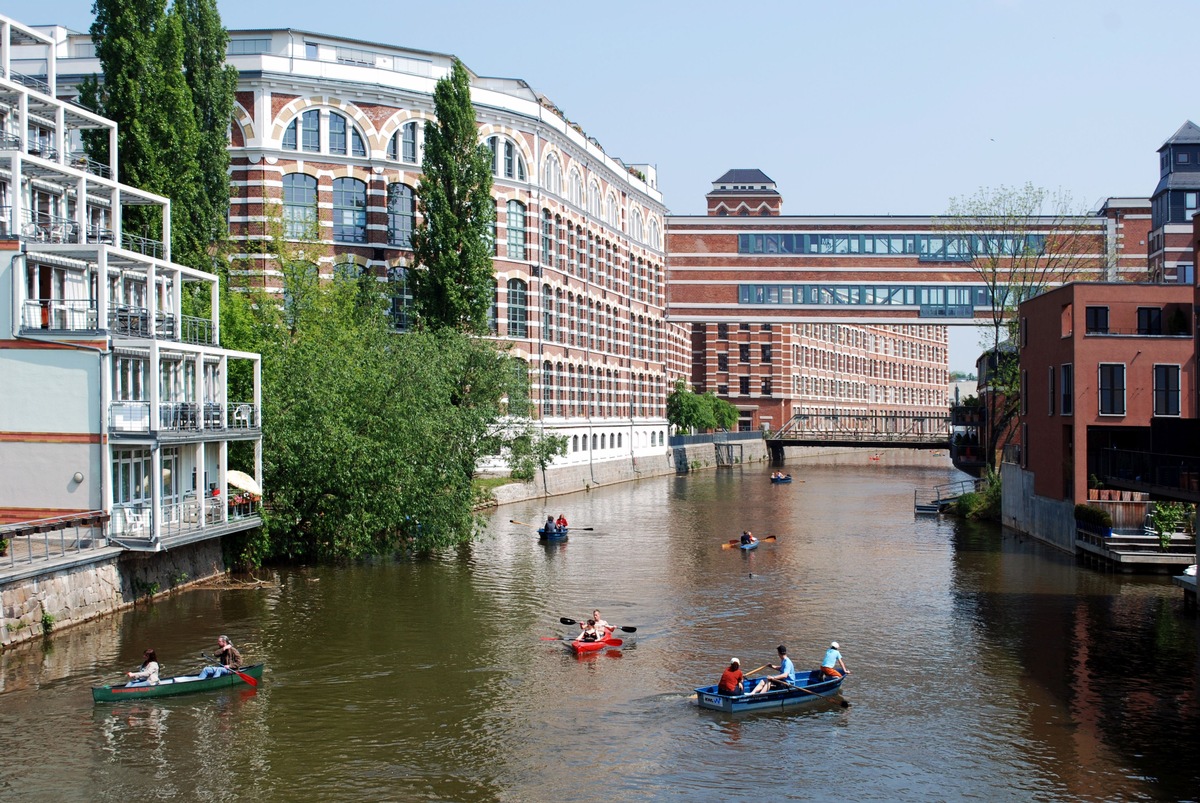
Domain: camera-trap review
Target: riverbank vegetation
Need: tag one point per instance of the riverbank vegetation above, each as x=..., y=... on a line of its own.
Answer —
x=688, y=411
x=983, y=504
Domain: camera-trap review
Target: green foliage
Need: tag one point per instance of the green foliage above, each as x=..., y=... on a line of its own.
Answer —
x=453, y=283
x=1170, y=517
x=3, y=546
x=47, y=623
x=213, y=86
x=1098, y=517
x=983, y=503
x=178, y=578
x=531, y=450
x=688, y=411
x=171, y=124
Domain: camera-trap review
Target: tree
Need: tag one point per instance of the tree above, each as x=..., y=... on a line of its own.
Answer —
x=141, y=48
x=532, y=450
x=688, y=411
x=1018, y=241
x=453, y=281
x=212, y=84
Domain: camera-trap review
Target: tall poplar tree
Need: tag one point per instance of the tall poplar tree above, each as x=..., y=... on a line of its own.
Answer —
x=453, y=281
x=140, y=45
x=213, y=85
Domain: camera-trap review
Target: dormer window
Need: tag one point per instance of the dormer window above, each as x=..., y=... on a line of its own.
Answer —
x=1181, y=158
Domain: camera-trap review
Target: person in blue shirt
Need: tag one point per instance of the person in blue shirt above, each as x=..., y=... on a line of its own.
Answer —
x=785, y=678
x=833, y=659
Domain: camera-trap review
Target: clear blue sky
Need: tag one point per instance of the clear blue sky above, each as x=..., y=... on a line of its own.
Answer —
x=866, y=107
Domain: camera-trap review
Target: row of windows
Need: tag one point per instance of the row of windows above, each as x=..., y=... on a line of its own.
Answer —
x=1111, y=389
x=577, y=321
x=821, y=387
x=1149, y=322
x=945, y=297
x=567, y=392
x=931, y=247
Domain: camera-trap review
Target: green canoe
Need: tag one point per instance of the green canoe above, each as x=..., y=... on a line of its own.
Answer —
x=184, y=684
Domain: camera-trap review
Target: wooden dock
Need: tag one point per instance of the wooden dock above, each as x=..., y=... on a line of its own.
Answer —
x=1136, y=552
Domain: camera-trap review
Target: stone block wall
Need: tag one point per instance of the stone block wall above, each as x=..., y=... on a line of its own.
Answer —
x=93, y=586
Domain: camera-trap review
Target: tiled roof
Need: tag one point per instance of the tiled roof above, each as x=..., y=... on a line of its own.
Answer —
x=1188, y=134
x=744, y=176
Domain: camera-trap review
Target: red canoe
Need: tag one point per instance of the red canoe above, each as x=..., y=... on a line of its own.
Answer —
x=580, y=647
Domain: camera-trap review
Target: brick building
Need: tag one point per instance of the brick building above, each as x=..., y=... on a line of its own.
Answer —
x=328, y=135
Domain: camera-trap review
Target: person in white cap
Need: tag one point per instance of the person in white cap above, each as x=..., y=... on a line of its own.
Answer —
x=832, y=659
x=731, y=678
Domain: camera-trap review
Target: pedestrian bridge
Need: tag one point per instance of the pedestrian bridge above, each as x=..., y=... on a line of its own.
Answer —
x=869, y=430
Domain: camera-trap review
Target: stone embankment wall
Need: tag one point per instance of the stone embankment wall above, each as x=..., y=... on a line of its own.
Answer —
x=1049, y=520
x=93, y=584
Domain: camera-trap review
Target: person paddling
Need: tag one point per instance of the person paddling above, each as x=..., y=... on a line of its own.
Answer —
x=589, y=632
x=785, y=678
x=148, y=673
x=833, y=658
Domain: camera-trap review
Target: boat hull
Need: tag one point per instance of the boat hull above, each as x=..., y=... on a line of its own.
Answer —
x=778, y=480
x=554, y=535
x=184, y=684
x=808, y=689
x=749, y=547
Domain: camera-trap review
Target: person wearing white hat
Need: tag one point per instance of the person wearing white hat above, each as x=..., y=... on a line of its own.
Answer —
x=731, y=678
x=833, y=659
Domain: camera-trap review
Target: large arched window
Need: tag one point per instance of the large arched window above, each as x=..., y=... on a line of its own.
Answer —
x=516, y=230
x=635, y=225
x=400, y=215
x=403, y=146
x=611, y=215
x=304, y=132
x=653, y=239
x=593, y=200
x=349, y=210
x=518, y=315
x=299, y=207
x=552, y=175
x=507, y=161
x=574, y=188
x=342, y=130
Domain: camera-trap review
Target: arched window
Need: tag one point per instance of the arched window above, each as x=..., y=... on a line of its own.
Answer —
x=593, y=200
x=552, y=175
x=516, y=230
x=300, y=207
x=547, y=238
x=347, y=269
x=305, y=130
x=507, y=161
x=341, y=129
x=547, y=388
x=349, y=210
x=400, y=215
x=518, y=315
x=574, y=443
x=406, y=143
x=611, y=215
x=635, y=225
x=574, y=188
x=653, y=239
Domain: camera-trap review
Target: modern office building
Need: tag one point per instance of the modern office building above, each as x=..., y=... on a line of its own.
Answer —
x=115, y=405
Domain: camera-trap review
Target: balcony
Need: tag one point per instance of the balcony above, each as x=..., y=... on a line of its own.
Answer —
x=60, y=315
x=182, y=522
x=1141, y=331
x=135, y=322
x=1164, y=475
x=183, y=419
x=43, y=228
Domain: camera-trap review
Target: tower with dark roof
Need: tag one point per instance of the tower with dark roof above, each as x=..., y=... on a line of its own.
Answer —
x=744, y=192
x=1175, y=200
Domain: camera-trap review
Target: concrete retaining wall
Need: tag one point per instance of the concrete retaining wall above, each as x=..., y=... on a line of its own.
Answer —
x=98, y=583
x=1048, y=520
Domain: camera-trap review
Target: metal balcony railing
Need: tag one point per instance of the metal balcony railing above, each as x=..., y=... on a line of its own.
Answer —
x=135, y=322
x=129, y=416
x=198, y=331
x=242, y=415
x=45, y=228
x=63, y=315
x=81, y=161
x=143, y=245
x=44, y=539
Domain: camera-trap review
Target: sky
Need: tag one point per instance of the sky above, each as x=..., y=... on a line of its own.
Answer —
x=868, y=107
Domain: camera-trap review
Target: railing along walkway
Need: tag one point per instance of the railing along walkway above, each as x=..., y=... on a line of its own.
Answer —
x=940, y=497
x=50, y=538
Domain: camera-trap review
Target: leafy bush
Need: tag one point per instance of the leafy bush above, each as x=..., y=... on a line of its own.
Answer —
x=1093, y=515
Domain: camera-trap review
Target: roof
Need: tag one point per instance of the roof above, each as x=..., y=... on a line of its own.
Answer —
x=746, y=176
x=1178, y=181
x=1188, y=134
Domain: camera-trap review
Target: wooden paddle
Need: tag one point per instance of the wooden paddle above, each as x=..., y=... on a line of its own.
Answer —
x=844, y=702
x=623, y=628
x=249, y=680
x=736, y=542
x=523, y=524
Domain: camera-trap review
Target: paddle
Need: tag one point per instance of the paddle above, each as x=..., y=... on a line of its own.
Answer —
x=844, y=702
x=523, y=524
x=623, y=628
x=735, y=543
x=249, y=680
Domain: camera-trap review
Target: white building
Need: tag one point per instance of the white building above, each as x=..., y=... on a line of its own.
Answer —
x=113, y=402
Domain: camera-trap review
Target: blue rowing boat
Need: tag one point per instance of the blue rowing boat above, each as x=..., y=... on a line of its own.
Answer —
x=807, y=689
x=554, y=535
x=749, y=546
x=778, y=480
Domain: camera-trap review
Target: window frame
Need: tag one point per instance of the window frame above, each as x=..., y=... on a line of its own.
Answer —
x=1105, y=391
x=1172, y=396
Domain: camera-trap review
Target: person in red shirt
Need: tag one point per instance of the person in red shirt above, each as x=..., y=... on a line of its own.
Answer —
x=731, y=678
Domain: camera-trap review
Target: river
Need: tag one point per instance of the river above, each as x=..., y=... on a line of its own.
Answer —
x=984, y=665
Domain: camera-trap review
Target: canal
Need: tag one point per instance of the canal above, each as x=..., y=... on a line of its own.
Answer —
x=984, y=665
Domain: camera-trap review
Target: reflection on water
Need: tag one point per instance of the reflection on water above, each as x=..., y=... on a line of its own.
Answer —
x=983, y=664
